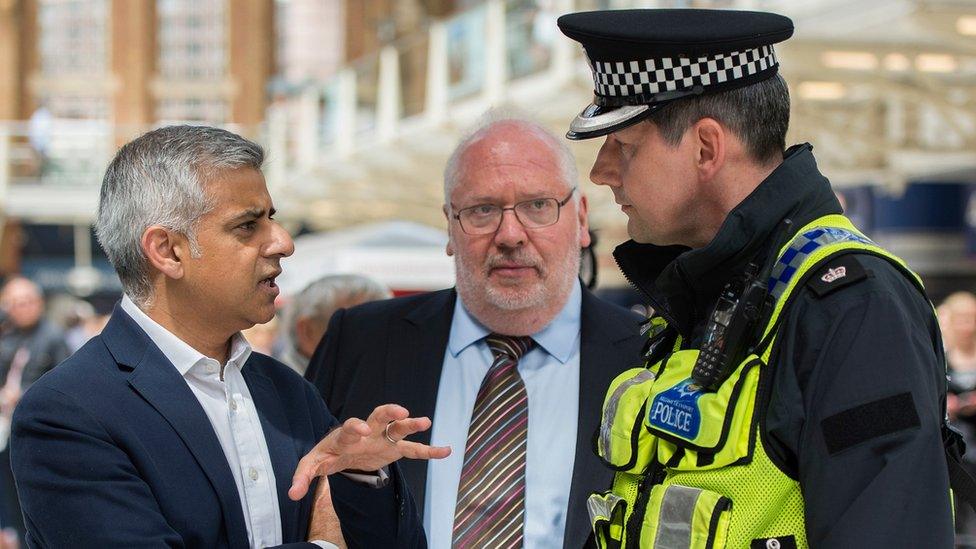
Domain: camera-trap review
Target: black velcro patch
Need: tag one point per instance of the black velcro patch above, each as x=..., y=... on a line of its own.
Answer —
x=874, y=419
x=837, y=273
x=782, y=542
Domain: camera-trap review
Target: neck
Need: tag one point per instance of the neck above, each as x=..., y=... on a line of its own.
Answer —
x=524, y=322
x=184, y=323
x=726, y=191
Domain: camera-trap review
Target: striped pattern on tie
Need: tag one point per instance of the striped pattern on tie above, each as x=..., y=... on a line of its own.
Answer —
x=490, y=508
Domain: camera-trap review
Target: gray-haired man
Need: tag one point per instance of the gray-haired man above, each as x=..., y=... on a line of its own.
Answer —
x=516, y=223
x=167, y=429
x=307, y=315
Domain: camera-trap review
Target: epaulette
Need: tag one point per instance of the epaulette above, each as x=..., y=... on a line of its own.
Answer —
x=837, y=273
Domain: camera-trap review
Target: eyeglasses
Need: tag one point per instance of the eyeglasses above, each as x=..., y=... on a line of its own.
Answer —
x=532, y=214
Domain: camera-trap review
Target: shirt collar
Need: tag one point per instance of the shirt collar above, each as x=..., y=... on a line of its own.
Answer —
x=177, y=351
x=558, y=338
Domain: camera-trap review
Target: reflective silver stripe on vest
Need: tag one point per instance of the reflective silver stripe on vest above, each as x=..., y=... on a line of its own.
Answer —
x=610, y=410
x=674, y=521
x=802, y=246
x=602, y=506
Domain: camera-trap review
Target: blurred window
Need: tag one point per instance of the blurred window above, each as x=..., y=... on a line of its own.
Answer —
x=192, y=39
x=74, y=52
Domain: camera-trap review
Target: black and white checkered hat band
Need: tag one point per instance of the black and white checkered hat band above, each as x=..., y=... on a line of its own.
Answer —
x=652, y=76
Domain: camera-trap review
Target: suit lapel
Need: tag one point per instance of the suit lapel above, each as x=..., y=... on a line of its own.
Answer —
x=282, y=446
x=161, y=385
x=608, y=345
x=414, y=362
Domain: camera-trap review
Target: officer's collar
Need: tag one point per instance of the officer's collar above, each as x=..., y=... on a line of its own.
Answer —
x=686, y=281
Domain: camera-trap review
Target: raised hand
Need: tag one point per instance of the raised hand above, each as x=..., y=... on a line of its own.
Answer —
x=365, y=446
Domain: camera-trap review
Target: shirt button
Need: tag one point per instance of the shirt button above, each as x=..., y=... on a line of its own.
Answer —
x=253, y=473
x=211, y=368
x=233, y=404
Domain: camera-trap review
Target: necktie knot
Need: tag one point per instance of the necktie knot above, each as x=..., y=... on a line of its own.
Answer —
x=511, y=346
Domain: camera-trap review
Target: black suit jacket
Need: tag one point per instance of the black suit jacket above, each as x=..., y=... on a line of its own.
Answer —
x=393, y=351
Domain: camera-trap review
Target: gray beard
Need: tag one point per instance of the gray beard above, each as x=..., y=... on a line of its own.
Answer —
x=534, y=296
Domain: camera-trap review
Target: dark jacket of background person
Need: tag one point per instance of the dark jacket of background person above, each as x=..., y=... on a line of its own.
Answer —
x=45, y=343
x=393, y=351
x=46, y=348
x=155, y=473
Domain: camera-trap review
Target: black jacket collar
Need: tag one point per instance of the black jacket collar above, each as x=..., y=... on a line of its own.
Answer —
x=683, y=283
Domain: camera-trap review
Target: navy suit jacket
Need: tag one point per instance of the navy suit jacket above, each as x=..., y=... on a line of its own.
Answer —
x=393, y=351
x=112, y=449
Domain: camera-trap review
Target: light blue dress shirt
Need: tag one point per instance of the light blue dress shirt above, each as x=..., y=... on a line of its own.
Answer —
x=551, y=374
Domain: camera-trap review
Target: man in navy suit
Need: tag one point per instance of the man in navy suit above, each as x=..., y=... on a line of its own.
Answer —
x=167, y=430
x=516, y=223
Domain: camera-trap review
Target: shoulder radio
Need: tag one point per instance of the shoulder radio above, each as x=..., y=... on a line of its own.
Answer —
x=730, y=332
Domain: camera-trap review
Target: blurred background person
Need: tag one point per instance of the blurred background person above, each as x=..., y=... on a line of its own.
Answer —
x=957, y=315
x=39, y=134
x=75, y=316
x=30, y=345
x=308, y=313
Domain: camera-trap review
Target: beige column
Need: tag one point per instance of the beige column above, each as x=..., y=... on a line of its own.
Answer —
x=18, y=57
x=251, y=39
x=133, y=24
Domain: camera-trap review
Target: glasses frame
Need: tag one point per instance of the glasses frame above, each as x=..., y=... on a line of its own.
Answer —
x=559, y=208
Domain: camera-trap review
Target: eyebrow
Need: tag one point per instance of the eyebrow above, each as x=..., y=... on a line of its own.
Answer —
x=524, y=198
x=253, y=213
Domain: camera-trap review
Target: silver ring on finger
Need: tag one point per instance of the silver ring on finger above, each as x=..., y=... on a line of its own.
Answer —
x=386, y=432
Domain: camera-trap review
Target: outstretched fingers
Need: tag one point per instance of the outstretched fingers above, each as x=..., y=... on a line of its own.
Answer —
x=386, y=413
x=416, y=450
x=403, y=428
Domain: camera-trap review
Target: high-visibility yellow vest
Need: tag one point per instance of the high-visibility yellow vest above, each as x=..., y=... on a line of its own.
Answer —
x=692, y=468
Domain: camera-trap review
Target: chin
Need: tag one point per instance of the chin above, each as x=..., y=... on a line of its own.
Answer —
x=511, y=299
x=641, y=235
x=262, y=316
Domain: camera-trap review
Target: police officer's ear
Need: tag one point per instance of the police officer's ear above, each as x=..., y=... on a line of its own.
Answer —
x=711, y=143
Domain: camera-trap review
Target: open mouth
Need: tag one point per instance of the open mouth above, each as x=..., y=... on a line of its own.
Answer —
x=269, y=284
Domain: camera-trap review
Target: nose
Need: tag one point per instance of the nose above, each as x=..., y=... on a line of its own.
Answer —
x=281, y=243
x=605, y=171
x=510, y=233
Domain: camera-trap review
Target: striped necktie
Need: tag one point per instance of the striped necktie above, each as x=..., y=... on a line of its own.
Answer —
x=491, y=494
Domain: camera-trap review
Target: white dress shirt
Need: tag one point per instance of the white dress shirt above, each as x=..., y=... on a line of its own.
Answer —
x=550, y=371
x=225, y=398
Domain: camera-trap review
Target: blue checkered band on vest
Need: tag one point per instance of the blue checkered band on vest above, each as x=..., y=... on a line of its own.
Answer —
x=651, y=76
x=800, y=248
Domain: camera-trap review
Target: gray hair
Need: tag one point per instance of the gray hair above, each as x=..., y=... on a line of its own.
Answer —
x=454, y=170
x=158, y=179
x=759, y=114
x=323, y=297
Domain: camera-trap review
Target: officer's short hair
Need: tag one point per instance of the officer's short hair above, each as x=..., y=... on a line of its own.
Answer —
x=759, y=114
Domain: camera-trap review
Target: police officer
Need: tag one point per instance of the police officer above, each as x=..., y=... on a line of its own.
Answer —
x=794, y=385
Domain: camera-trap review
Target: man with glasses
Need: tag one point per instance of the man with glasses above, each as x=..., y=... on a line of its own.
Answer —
x=510, y=364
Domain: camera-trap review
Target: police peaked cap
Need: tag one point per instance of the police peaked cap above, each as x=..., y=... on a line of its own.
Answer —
x=644, y=59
